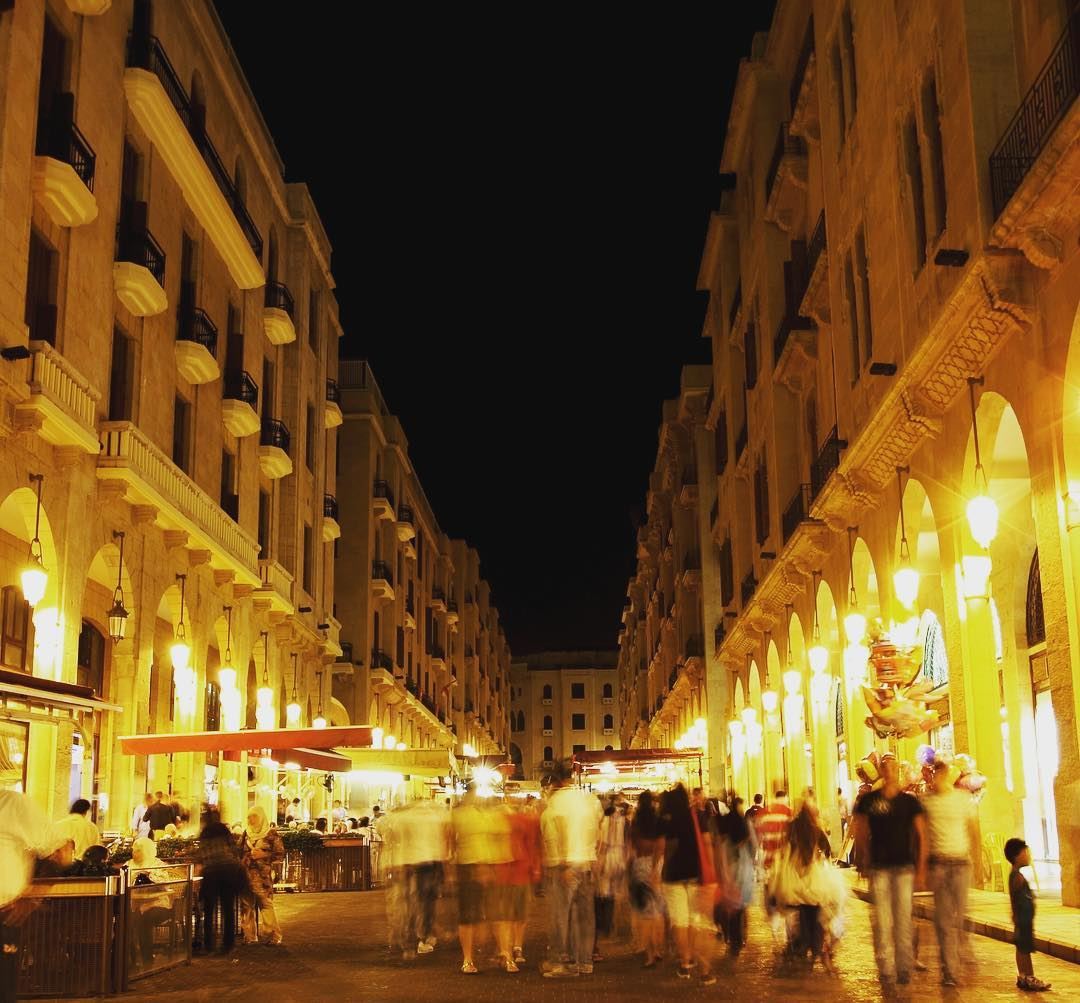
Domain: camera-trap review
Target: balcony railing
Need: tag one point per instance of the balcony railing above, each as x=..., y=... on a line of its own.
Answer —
x=380, y=660
x=240, y=386
x=438, y=593
x=380, y=569
x=410, y=605
x=383, y=490
x=826, y=461
x=333, y=394
x=695, y=646
x=274, y=433
x=451, y=606
x=405, y=514
x=347, y=652
x=195, y=325
x=52, y=376
x=786, y=144
x=356, y=374
x=136, y=244
x=741, y=440
x=736, y=305
x=749, y=585
x=278, y=297
x=1043, y=107
x=60, y=139
x=797, y=511
x=817, y=244
x=330, y=507
x=437, y=651
x=147, y=53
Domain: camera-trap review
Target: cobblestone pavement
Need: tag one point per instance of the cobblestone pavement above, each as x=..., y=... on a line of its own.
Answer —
x=335, y=949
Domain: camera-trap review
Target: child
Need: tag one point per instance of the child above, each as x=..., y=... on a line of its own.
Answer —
x=1018, y=854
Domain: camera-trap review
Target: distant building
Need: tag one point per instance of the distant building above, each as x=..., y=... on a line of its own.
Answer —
x=562, y=702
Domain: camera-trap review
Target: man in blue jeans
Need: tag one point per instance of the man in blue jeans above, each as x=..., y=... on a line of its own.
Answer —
x=890, y=832
x=570, y=827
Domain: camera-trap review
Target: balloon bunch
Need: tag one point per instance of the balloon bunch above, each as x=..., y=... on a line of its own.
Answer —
x=868, y=771
x=963, y=772
x=897, y=697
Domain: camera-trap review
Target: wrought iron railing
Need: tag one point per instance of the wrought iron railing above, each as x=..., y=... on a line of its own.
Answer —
x=451, y=606
x=405, y=514
x=278, y=297
x=797, y=511
x=826, y=461
x=274, y=433
x=1043, y=107
x=381, y=660
x=330, y=507
x=59, y=137
x=240, y=386
x=437, y=651
x=333, y=394
x=383, y=490
x=137, y=245
x=382, y=570
x=438, y=593
x=195, y=325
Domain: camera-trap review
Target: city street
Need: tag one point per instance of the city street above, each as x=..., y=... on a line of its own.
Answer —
x=335, y=948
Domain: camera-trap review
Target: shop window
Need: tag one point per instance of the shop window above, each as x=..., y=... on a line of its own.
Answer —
x=1035, y=620
x=213, y=706
x=577, y=691
x=577, y=722
x=91, y=658
x=14, y=629
x=935, y=657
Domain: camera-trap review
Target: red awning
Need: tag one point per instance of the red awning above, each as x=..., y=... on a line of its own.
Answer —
x=312, y=759
x=273, y=742
x=625, y=759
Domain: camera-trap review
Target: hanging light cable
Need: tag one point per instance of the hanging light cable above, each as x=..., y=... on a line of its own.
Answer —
x=34, y=576
x=855, y=621
x=292, y=711
x=982, y=510
x=319, y=721
x=180, y=652
x=118, y=614
x=905, y=578
x=264, y=696
x=227, y=672
x=818, y=655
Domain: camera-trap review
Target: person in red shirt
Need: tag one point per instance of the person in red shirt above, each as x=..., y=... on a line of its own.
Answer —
x=772, y=827
x=524, y=870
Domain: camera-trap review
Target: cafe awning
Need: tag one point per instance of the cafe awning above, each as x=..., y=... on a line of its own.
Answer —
x=22, y=694
x=326, y=760
x=284, y=745
x=631, y=760
x=414, y=762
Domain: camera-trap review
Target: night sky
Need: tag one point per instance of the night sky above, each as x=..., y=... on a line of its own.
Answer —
x=517, y=211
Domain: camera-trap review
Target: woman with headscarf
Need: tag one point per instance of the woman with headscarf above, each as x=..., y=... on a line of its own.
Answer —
x=263, y=851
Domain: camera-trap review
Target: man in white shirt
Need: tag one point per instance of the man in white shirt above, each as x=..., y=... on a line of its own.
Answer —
x=25, y=836
x=139, y=825
x=952, y=834
x=79, y=829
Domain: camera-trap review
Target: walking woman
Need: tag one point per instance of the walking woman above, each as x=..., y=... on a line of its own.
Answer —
x=688, y=882
x=223, y=879
x=264, y=851
x=735, y=855
x=646, y=901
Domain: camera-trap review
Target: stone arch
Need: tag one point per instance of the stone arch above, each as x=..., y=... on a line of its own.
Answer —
x=18, y=513
x=339, y=716
x=924, y=545
x=864, y=580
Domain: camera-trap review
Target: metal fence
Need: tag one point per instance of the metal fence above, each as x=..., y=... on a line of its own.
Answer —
x=159, y=920
x=340, y=866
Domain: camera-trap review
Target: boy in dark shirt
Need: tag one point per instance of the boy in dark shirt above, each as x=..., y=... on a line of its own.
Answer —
x=1018, y=854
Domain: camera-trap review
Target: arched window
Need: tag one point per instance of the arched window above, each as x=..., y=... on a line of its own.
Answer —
x=548, y=757
x=1036, y=622
x=252, y=686
x=607, y=690
x=547, y=691
x=91, y=658
x=15, y=629
x=547, y=722
x=521, y=720
x=608, y=748
x=935, y=657
x=609, y=721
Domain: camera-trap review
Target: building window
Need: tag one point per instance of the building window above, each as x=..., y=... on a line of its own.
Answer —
x=577, y=691
x=547, y=722
x=931, y=122
x=609, y=721
x=761, y=500
x=578, y=748
x=41, y=281
x=607, y=691
x=577, y=722
x=862, y=280
x=313, y=319
x=308, y=561
x=853, y=318
x=121, y=377
x=309, y=439
x=547, y=691
x=91, y=659
x=15, y=628
x=264, y=526
x=230, y=500
x=548, y=754
x=916, y=193
x=181, y=452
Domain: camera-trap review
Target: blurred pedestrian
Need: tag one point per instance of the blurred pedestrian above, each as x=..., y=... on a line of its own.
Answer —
x=646, y=861
x=79, y=829
x=263, y=852
x=612, y=855
x=223, y=880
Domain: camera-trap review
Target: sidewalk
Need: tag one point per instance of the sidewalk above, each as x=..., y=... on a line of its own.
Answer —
x=1057, y=927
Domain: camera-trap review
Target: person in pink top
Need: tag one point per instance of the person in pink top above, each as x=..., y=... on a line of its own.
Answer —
x=524, y=870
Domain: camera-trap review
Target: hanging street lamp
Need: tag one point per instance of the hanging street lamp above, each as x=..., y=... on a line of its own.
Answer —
x=230, y=694
x=118, y=614
x=818, y=655
x=855, y=621
x=905, y=578
x=264, y=696
x=34, y=576
x=292, y=710
x=982, y=510
x=320, y=721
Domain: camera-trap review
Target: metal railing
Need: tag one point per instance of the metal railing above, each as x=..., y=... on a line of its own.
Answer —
x=239, y=386
x=826, y=461
x=137, y=245
x=356, y=374
x=383, y=490
x=159, y=920
x=748, y=587
x=437, y=651
x=278, y=297
x=438, y=593
x=60, y=138
x=817, y=244
x=330, y=507
x=195, y=325
x=405, y=514
x=786, y=145
x=381, y=660
x=333, y=394
x=381, y=570
x=451, y=606
x=274, y=433
x=1043, y=107
x=797, y=511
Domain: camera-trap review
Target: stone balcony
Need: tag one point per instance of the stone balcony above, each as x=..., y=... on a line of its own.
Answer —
x=332, y=640
x=88, y=8
x=278, y=313
x=275, y=589
x=63, y=173
x=62, y=406
x=131, y=467
x=786, y=181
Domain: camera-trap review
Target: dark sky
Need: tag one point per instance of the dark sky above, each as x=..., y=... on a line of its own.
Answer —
x=517, y=212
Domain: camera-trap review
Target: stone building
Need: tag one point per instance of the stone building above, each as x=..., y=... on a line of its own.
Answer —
x=892, y=275
x=562, y=702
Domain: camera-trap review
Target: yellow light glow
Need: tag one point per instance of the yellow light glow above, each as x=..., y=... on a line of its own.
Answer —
x=292, y=713
x=770, y=699
x=227, y=678
x=818, y=657
x=749, y=716
x=180, y=655
x=856, y=657
x=977, y=570
x=389, y=742
x=401, y=746
x=701, y=724
x=821, y=689
x=320, y=722
x=264, y=718
x=792, y=682
x=855, y=627
x=270, y=764
x=264, y=696
x=982, y=515
x=735, y=727
x=906, y=585
x=34, y=581
x=679, y=744
x=376, y=738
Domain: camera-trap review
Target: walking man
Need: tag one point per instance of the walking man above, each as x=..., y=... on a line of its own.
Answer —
x=890, y=832
x=953, y=841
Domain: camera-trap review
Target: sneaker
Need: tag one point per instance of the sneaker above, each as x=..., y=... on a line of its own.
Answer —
x=948, y=980
x=468, y=968
x=919, y=966
x=424, y=947
x=560, y=972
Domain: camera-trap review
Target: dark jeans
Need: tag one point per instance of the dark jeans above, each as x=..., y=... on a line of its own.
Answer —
x=424, y=883
x=811, y=936
x=9, y=960
x=734, y=926
x=217, y=889
x=605, y=915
